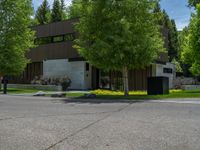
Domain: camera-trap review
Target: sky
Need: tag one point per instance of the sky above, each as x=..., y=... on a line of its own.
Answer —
x=176, y=9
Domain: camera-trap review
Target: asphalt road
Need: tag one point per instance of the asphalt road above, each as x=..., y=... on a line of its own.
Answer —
x=28, y=123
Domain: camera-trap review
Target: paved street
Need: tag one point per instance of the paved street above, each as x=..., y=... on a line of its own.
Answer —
x=29, y=123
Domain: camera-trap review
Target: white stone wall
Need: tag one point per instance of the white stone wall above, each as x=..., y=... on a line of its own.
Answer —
x=171, y=76
x=74, y=70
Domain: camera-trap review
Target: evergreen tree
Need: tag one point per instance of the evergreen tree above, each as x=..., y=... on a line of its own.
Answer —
x=173, y=41
x=43, y=13
x=158, y=13
x=65, y=14
x=56, y=14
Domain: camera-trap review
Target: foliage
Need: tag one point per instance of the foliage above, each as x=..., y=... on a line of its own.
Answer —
x=173, y=45
x=43, y=13
x=173, y=41
x=51, y=80
x=191, y=49
x=65, y=82
x=75, y=9
x=178, y=65
x=193, y=2
x=121, y=32
x=164, y=21
x=64, y=10
x=56, y=14
x=108, y=92
x=118, y=35
x=16, y=38
x=142, y=95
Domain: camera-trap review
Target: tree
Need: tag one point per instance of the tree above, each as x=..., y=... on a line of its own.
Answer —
x=193, y=47
x=193, y=3
x=184, y=56
x=64, y=10
x=178, y=66
x=173, y=41
x=75, y=9
x=159, y=14
x=56, y=14
x=118, y=35
x=16, y=38
x=43, y=13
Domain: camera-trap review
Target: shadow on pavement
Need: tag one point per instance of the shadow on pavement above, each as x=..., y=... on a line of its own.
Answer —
x=99, y=101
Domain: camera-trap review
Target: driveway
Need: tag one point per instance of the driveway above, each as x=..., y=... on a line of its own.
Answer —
x=29, y=123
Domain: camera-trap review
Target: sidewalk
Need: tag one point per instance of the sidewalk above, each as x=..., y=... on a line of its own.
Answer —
x=49, y=93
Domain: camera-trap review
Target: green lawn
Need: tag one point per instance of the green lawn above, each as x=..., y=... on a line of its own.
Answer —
x=134, y=95
x=21, y=91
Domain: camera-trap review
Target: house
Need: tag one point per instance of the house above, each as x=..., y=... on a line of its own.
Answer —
x=55, y=56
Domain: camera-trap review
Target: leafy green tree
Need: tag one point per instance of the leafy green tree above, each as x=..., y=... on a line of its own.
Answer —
x=193, y=3
x=16, y=37
x=193, y=47
x=185, y=46
x=75, y=9
x=178, y=65
x=184, y=57
x=119, y=35
x=56, y=14
x=43, y=13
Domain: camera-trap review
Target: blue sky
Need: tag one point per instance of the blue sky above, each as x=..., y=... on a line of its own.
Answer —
x=177, y=9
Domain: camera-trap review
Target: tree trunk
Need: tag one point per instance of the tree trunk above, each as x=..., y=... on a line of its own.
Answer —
x=5, y=85
x=125, y=81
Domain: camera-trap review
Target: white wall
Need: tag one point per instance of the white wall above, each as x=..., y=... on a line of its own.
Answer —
x=159, y=72
x=74, y=70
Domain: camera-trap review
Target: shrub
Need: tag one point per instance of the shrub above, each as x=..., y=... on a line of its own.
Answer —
x=65, y=81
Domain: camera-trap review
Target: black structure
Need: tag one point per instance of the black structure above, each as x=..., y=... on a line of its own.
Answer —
x=158, y=85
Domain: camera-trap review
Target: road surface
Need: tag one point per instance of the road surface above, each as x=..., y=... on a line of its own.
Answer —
x=32, y=123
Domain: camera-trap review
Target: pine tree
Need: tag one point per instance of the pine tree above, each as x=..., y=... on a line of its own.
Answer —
x=43, y=13
x=56, y=14
x=64, y=10
x=173, y=41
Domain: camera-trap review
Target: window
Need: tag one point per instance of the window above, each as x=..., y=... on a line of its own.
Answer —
x=43, y=40
x=69, y=37
x=57, y=39
x=87, y=67
x=167, y=70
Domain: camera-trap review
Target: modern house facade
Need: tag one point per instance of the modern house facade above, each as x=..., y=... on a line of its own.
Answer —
x=55, y=57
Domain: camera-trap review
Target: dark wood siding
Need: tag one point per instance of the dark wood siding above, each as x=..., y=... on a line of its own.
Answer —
x=63, y=50
x=137, y=78
x=32, y=70
x=57, y=28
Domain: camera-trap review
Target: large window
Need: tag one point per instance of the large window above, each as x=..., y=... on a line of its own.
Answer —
x=58, y=39
x=167, y=70
x=55, y=39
